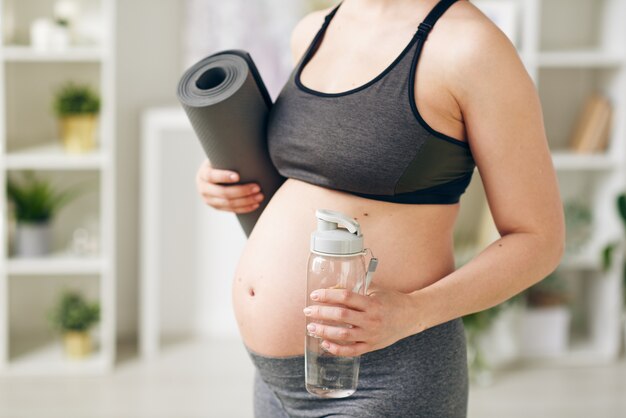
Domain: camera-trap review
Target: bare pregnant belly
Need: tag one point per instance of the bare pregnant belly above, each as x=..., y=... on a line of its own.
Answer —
x=412, y=242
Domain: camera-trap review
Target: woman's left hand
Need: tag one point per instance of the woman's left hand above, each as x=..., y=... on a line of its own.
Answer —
x=371, y=322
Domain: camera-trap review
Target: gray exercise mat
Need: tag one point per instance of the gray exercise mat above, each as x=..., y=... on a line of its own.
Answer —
x=227, y=104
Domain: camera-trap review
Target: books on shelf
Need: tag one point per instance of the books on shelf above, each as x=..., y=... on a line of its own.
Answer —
x=593, y=126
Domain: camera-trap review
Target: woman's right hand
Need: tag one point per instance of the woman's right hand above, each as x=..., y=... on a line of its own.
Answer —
x=239, y=198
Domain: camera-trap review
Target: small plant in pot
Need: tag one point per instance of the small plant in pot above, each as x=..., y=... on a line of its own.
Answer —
x=74, y=316
x=609, y=249
x=77, y=106
x=485, y=331
x=546, y=321
x=35, y=202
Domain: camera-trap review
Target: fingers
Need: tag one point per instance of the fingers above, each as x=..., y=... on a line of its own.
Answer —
x=240, y=209
x=335, y=333
x=208, y=173
x=337, y=314
x=231, y=192
x=238, y=198
x=348, y=350
x=343, y=297
x=235, y=204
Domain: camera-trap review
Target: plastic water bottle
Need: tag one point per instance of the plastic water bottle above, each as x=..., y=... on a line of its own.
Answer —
x=336, y=261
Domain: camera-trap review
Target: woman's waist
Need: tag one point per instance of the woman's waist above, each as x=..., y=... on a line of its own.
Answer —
x=401, y=267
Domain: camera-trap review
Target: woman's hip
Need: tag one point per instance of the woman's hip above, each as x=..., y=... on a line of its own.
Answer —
x=423, y=375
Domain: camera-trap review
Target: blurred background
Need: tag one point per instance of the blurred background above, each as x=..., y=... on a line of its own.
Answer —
x=115, y=277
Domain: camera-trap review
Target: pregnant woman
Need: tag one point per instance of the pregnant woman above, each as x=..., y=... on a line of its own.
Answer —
x=391, y=106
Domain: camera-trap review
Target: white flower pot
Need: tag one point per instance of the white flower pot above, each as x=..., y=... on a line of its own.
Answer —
x=545, y=332
x=40, y=32
x=32, y=239
x=45, y=35
x=500, y=343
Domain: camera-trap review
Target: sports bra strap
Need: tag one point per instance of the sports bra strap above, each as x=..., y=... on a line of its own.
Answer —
x=429, y=21
x=423, y=28
x=332, y=13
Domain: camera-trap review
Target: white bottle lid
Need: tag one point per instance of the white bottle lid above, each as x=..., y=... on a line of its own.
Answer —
x=331, y=239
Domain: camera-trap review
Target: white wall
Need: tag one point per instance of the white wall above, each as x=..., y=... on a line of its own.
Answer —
x=148, y=68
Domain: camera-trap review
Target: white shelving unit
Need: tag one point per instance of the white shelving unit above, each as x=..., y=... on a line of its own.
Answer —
x=28, y=140
x=572, y=48
x=75, y=54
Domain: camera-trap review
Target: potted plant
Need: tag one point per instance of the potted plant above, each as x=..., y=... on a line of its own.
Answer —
x=476, y=325
x=77, y=107
x=74, y=316
x=492, y=339
x=546, y=321
x=579, y=226
x=621, y=207
x=35, y=202
x=607, y=254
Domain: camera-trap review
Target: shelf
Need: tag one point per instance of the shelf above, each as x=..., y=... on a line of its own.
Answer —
x=50, y=359
x=582, y=58
x=29, y=140
x=567, y=160
x=52, y=156
x=73, y=54
x=56, y=264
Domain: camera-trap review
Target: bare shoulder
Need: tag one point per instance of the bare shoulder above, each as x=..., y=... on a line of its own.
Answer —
x=478, y=51
x=304, y=31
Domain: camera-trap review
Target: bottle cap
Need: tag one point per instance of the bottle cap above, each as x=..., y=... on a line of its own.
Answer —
x=331, y=239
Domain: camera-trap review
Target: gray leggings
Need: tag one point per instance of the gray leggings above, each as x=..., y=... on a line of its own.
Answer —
x=423, y=376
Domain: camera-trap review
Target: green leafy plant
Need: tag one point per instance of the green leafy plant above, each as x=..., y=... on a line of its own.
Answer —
x=609, y=249
x=73, y=313
x=35, y=199
x=76, y=99
x=578, y=223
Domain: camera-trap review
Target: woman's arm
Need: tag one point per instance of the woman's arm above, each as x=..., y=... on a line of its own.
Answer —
x=503, y=118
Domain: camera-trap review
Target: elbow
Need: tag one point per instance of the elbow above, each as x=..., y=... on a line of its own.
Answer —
x=559, y=250
x=554, y=246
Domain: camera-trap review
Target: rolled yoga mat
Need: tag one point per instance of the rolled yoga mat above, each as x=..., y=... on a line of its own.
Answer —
x=227, y=104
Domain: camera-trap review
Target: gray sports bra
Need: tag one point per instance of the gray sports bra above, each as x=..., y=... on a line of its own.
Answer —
x=370, y=141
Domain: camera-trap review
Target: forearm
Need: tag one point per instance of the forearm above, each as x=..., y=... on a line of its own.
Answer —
x=503, y=269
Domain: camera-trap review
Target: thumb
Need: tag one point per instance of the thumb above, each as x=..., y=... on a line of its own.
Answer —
x=372, y=288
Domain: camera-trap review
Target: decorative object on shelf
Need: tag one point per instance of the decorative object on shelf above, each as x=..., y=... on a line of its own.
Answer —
x=503, y=13
x=546, y=321
x=66, y=11
x=578, y=223
x=591, y=132
x=42, y=34
x=74, y=317
x=47, y=35
x=65, y=15
x=77, y=107
x=86, y=238
x=35, y=202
